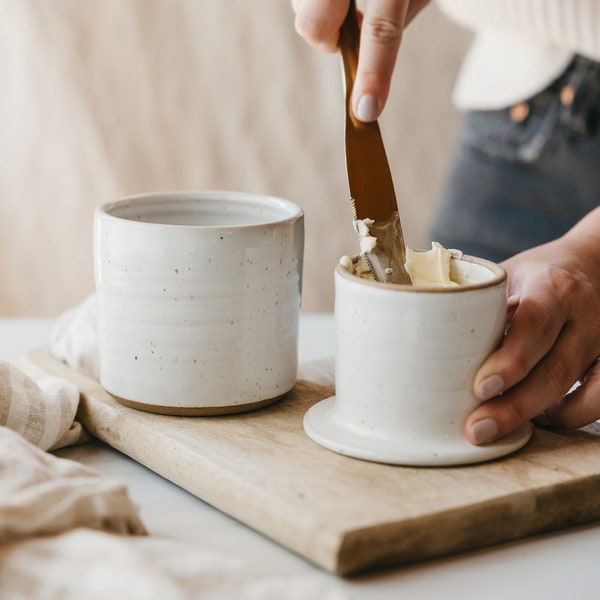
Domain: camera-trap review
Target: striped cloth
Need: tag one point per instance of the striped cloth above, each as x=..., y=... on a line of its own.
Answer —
x=41, y=407
x=42, y=411
x=44, y=495
x=58, y=519
x=41, y=494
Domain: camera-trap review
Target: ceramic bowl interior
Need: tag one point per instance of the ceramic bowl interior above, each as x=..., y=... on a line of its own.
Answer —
x=208, y=209
x=470, y=272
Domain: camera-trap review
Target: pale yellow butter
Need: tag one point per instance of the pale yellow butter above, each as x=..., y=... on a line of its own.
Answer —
x=430, y=268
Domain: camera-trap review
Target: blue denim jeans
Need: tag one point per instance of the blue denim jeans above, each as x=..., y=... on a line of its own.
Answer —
x=519, y=183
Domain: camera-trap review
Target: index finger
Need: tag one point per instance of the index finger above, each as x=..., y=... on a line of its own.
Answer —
x=381, y=33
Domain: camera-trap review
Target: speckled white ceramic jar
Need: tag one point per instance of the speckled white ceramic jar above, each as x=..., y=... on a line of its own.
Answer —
x=198, y=300
x=405, y=362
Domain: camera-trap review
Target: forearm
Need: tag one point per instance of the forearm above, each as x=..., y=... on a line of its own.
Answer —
x=567, y=24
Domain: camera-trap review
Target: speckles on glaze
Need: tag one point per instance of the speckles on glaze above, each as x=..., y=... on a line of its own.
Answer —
x=416, y=341
x=202, y=333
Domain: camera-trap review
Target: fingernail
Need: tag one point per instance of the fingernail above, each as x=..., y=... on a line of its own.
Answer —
x=484, y=430
x=366, y=109
x=491, y=386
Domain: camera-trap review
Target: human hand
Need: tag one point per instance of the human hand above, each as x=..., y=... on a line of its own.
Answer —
x=319, y=22
x=552, y=341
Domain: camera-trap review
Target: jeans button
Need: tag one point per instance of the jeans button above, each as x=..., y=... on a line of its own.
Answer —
x=567, y=95
x=519, y=112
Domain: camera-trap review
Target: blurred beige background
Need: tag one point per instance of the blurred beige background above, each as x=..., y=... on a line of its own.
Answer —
x=105, y=98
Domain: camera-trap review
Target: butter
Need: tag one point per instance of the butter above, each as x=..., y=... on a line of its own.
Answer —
x=360, y=268
x=346, y=262
x=430, y=268
x=366, y=240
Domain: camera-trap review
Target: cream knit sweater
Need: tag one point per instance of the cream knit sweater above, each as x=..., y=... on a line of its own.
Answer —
x=520, y=46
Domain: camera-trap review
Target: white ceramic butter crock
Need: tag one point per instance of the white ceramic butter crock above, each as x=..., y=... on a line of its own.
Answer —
x=406, y=357
x=198, y=300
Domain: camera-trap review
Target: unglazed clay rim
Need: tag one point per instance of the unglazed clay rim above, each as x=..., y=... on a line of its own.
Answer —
x=199, y=411
x=329, y=433
x=497, y=270
x=158, y=198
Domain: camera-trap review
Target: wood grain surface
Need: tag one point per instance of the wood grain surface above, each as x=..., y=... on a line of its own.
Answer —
x=343, y=514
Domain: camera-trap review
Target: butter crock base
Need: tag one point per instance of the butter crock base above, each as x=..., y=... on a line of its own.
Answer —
x=204, y=411
x=328, y=432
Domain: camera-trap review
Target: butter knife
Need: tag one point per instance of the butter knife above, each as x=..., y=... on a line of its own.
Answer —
x=369, y=177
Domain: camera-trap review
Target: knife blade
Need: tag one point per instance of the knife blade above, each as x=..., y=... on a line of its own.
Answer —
x=369, y=178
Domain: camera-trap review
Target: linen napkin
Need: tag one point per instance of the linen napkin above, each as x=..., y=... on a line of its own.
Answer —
x=67, y=532
x=93, y=565
x=41, y=494
x=75, y=338
x=42, y=411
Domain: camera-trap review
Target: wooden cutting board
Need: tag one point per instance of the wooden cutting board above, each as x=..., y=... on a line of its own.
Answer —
x=344, y=514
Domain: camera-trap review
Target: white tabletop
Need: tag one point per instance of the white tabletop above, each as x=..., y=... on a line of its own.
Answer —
x=563, y=564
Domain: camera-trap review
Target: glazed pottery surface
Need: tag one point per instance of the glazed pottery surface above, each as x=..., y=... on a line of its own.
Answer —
x=198, y=299
x=405, y=362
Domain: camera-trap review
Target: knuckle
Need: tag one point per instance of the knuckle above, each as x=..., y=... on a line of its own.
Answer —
x=513, y=415
x=542, y=326
x=564, y=285
x=521, y=363
x=383, y=31
x=560, y=377
x=308, y=28
x=562, y=415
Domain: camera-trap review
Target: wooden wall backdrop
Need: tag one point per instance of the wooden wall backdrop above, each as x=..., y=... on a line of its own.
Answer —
x=106, y=98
